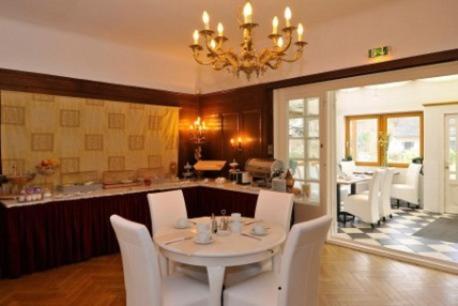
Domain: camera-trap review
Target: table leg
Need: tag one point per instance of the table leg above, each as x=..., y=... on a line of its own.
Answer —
x=353, y=188
x=338, y=201
x=215, y=281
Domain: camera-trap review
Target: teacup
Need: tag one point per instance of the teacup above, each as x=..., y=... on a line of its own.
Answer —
x=203, y=228
x=203, y=237
x=259, y=229
x=236, y=217
x=182, y=223
x=236, y=226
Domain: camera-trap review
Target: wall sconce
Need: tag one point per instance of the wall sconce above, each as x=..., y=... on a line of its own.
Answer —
x=198, y=129
x=237, y=144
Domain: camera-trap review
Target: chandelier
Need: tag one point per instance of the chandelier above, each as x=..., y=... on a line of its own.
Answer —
x=249, y=60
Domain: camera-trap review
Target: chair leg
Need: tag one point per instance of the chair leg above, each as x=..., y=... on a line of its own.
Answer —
x=391, y=216
x=372, y=225
x=383, y=219
x=378, y=223
x=398, y=203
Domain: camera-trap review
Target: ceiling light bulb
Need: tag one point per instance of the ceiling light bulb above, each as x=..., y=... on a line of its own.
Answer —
x=206, y=20
x=248, y=13
x=275, y=25
x=195, y=36
x=300, y=32
x=280, y=42
x=288, y=16
x=220, y=29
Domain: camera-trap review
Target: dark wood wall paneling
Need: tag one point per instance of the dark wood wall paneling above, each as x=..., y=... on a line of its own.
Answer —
x=245, y=111
x=65, y=86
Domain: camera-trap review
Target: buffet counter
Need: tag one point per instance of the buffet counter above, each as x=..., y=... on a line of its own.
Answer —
x=69, y=228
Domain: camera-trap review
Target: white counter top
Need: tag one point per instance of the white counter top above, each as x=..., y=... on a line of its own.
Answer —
x=152, y=188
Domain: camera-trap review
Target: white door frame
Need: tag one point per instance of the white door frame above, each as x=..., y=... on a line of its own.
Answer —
x=328, y=88
x=446, y=147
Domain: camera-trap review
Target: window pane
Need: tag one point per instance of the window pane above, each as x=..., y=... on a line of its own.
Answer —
x=296, y=148
x=296, y=107
x=313, y=128
x=298, y=168
x=363, y=140
x=313, y=149
x=313, y=106
x=313, y=170
x=296, y=127
x=404, y=139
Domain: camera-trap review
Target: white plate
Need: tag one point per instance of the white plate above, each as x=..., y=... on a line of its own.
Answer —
x=257, y=234
x=201, y=242
x=183, y=227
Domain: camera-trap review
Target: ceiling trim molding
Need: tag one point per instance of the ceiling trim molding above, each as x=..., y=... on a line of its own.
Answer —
x=16, y=80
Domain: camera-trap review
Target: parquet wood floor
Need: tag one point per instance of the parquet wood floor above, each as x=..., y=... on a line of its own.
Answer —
x=348, y=278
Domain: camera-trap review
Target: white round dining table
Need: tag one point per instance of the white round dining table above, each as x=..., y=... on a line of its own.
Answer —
x=233, y=249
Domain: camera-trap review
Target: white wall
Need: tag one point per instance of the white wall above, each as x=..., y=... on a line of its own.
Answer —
x=34, y=48
x=411, y=27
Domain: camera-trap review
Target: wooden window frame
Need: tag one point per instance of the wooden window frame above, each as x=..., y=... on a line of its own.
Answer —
x=382, y=120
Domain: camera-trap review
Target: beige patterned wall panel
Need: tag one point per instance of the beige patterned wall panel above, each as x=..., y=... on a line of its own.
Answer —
x=42, y=142
x=69, y=118
x=86, y=135
x=93, y=142
x=116, y=121
x=13, y=115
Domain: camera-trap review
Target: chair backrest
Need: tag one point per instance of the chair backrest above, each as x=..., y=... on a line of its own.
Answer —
x=275, y=207
x=166, y=208
x=347, y=167
x=385, y=202
x=374, y=194
x=413, y=175
x=142, y=278
x=300, y=263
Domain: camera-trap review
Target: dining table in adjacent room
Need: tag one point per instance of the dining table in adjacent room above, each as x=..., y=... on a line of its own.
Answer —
x=230, y=249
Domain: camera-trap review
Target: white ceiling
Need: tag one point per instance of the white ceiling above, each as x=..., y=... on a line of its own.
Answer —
x=166, y=26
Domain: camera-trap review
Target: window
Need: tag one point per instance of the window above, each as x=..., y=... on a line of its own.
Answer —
x=304, y=145
x=385, y=139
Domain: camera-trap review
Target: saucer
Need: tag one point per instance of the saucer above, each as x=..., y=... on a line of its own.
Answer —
x=203, y=242
x=182, y=227
x=257, y=234
x=223, y=233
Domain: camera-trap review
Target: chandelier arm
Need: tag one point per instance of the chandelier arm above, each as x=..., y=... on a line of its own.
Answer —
x=196, y=56
x=296, y=57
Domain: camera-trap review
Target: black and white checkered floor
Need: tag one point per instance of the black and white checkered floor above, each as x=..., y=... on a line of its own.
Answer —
x=397, y=233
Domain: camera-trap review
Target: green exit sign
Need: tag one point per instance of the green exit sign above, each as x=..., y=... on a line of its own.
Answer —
x=379, y=52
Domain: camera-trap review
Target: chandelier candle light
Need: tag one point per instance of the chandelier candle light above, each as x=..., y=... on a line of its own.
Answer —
x=249, y=60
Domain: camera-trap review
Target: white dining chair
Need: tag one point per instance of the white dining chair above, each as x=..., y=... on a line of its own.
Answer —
x=366, y=206
x=142, y=278
x=297, y=282
x=165, y=209
x=275, y=207
x=347, y=167
x=385, y=194
x=271, y=207
x=408, y=190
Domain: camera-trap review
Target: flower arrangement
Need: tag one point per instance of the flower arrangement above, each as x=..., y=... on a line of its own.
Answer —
x=48, y=166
